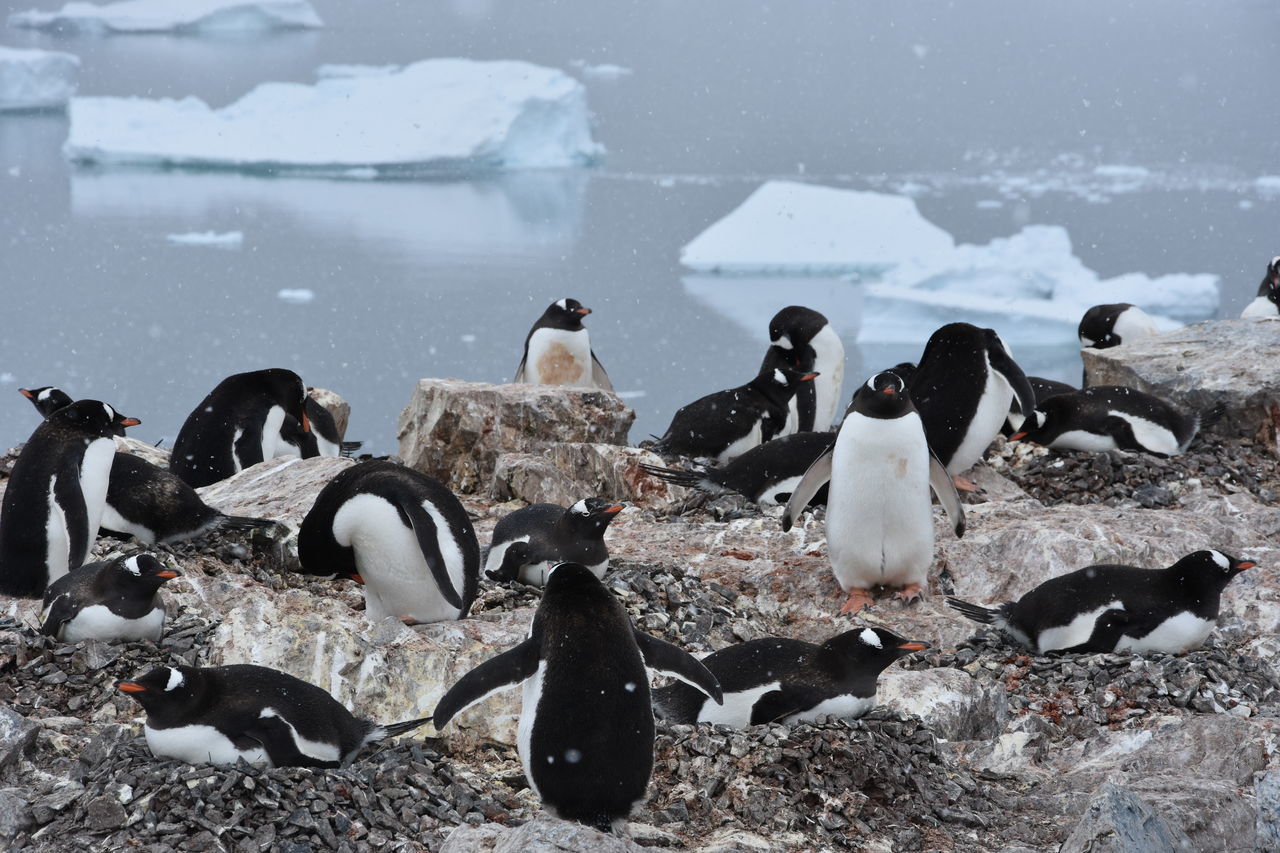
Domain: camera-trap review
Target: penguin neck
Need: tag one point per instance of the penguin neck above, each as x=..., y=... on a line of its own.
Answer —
x=580, y=526
x=845, y=666
x=777, y=395
x=1194, y=581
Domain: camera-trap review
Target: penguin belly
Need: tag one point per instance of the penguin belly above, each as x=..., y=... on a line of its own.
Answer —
x=829, y=384
x=95, y=476
x=200, y=744
x=984, y=426
x=57, y=536
x=847, y=706
x=1179, y=633
x=1153, y=436
x=1261, y=306
x=273, y=443
x=742, y=445
x=97, y=622
x=879, y=520
x=530, y=697
x=397, y=579
x=559, y=357
x=737, y=708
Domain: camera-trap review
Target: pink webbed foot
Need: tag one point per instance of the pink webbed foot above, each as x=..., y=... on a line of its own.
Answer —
x=909, y=593
x=857, y=600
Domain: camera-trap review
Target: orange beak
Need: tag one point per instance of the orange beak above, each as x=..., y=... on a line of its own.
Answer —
x=306, y=423
x=24, y=392
x=612, y=510
x=1244, y=564
x=355, y=578
x=130, y=422
x=914, y=646
x=1017, y=436
x=808, y=377
x=168, y=574
x=583, y=311
x=130, y=687
x=889, y=389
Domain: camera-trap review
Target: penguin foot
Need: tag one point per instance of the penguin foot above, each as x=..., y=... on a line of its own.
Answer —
x=964, y=484
x=909, y=593
x=409, y=620
x=857, y=600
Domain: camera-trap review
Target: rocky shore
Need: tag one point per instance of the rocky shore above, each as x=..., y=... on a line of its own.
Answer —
x=977, y=746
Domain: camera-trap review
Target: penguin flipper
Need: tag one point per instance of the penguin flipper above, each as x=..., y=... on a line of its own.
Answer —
x=520, y=370
x=278, y=740
x=815, y=478
x=497, y=673
x=516, y=556
x=674, y=661
x=775, y=706
x=945, y=488
x=1003, y=363
x=598, y=374
x=60, y=613
x=424, y=527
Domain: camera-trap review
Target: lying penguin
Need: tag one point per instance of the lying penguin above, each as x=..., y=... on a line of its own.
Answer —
x=110, y=600
x=529, y=541
x=1112, y=417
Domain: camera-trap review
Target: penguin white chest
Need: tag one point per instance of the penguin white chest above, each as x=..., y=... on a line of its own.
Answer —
x=559, y=357
x=1179, y=633
x=199, y=744
x=984, y=426
x=273, y=443
x=97, y=622
x=829, y=386
x=95, y=475
x=531, y=697
x=1261, y=306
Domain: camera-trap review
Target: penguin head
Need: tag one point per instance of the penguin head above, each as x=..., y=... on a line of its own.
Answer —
x=593, y=513
x=794, y=326
x=884, y=395
x=1098, y=326
x=47, y=399
x=1211, y=564
x=92, y=418
x=167, y=691
x=564, y=314
x=286, y=389
x=141, y=570
x=854, y=652
x=798, y=359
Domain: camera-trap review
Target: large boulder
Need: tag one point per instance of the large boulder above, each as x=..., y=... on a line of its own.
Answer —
x=1118, y=821
x=456, y=431
x=282, y=489
x=543, y=834
x=334, y=405
x=566, y=473
x=954, y=704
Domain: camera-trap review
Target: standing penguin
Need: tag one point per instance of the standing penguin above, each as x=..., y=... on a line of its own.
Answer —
x=237, y=425
x=56, y=494
x=1106, y=326
x=110, y=600
x=775, y=679
x=586, y=724
x=528, y=542
x=1267, y=302
x=557, y=350
x=1112, y=417
x=399, y=532
x=962, y=388
x=879, y=517
x=813, y=346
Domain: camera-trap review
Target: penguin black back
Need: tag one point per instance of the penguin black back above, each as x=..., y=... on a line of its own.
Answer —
x=1106, y=326
x=767, y=474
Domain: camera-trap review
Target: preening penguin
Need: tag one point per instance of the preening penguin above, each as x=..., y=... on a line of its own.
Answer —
x=767, y=474
x=1172, y=610
x=557, y=350
x=56, y=495
x=221, y=714
x=238, y=424
x=586, y=725
x=811, y=345
x=1267, y=302
x=402, y=534
x=527, y=543
x=879, y=517
x=1112, y=417
x=110, y=600
x=322, y=439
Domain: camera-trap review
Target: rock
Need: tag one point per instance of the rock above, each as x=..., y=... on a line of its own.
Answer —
x=566, y=473
x=952, y=703
x=1201, y=366
x=1209, y=811
x=17, y=734
x=543, y=834
x=1117, y=821
x=737, y=841
x=455, y=431
x=15, y=813
x=1267, y=788
x=282, y=489
x=151, y=453
x=334, y=405
x=105, y=813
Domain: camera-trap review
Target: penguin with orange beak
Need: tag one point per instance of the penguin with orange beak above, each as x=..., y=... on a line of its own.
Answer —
x=110, y=600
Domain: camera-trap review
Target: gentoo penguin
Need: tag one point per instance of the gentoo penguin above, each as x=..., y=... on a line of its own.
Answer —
x=109, y=600
x=221, y=714
x=1106, y=326
x=1043, y=389
x=879, y=517
x=807, y=337
x=789, y=681
x=963, y=387
x=586, y=725
x=529, y=541
x=237, y=425
x=726, y=424
x=56, y=493
x=1267, y=302
x=1175, y=607
x=767, y=474
x=399, y=532
x=146, y=501
x=557, y=350
x=322, y=439
x=1112, y=417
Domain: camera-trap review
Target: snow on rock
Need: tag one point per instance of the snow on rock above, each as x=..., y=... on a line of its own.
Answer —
x=227, y=239
x=434, y=115
x=787, y=227
x=165, y=16
x=36, y=79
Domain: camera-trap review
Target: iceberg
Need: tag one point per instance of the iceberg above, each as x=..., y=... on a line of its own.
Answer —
x=438, y=115
x=36, y=79
x=226, y=239
x=174, y=16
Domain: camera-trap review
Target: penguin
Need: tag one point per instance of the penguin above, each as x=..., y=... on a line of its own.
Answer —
x=557, y=350
x=726, y=424
x=1106, y=326
x=879, y=519
x=146, y=501
x=237, y=425
x=767, y=473
x=1043, y=389
x=400, y=533
x=55, y=497
x=813, y=346
x=222, y=714
x=323, y=439
x=778, y=680
x=962, y=388
x=529, y=541
x=1267, y=302
x=586, y=728
x=1174, y=608
x=1112, y=417
x=110, y=600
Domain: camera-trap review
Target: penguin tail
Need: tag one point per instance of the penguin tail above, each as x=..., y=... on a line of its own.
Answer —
x=348, y=448
x=242, y=522
x=1213, y=414
x=397, y=729
x=679, y=476
x=976, y=612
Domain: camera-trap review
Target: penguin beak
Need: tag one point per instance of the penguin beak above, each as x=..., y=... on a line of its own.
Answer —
x=914, y=646
x=1244, y=564
x=128, y=422
x=809, y=377
x=614, y=510
x=130, y=687
x=168, y=574
x=26, y=393
x=1018, y=436
x=306, y=422
x=355, y=577
x=583, y=311
x=889, y=389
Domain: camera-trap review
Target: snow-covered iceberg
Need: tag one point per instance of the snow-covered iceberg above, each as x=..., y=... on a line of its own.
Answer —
x=792, y=228
x=174, y=16
x=36, y=79
x=432, y=116
x=225, y=239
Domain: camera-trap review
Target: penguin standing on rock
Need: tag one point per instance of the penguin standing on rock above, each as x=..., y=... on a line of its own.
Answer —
x=56, y=495
x=222, y=714
x=238, y=424
x=1112, y=417
x=805, y=336
x=111, y=600
x=1106, y=326
x=527, y=543
x=557, y=350
x=1267, y=303
x=766, y=474
x=586, y=724
x=402, y=534
x=879, y=517
x=777, y=680
x=1173, y=610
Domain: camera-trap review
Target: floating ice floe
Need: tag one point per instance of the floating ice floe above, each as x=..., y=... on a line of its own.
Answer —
x=432, y=116
x=225, y=239
x=604, y=71
x=167, y=16
x=297, y=296
x=36, y=79
x=1268, y=183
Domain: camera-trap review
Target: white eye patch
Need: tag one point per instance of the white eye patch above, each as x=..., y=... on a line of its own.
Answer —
x=580, y=508
x=111, y=413
x=132, y=565
x=1220, y=559
x=175, y=680
x=562, y=304
x=871, y=638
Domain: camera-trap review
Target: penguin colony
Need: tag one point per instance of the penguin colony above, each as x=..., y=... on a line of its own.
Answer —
x=586, y=728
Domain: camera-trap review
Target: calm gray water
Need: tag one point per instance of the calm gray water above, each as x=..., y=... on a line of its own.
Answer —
x=963, y=103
